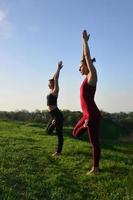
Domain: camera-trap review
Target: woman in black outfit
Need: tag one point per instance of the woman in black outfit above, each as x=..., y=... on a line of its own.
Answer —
x=56, y=115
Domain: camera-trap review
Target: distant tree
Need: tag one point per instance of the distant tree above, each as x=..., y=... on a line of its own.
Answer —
x=70, y=117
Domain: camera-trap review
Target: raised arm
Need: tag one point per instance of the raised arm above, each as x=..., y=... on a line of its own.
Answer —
x=56, y=78
x=83, y=56
x=89, y=62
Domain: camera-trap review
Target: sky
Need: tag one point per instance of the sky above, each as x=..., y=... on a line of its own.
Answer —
x=36, y=34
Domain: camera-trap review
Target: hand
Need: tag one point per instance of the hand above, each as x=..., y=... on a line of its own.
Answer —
x=85, y=36
x=60, y=65
x=53, y=121
x=86, y=123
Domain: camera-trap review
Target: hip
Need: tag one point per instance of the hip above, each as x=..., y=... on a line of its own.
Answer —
x=56, y=113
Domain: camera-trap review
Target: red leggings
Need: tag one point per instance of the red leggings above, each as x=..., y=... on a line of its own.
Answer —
x=93, y=133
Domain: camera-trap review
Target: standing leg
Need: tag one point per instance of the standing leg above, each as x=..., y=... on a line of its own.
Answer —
x=93, y=132
x=59, y=130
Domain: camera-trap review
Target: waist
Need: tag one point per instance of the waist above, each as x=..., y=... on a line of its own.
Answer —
x=51, y=100
x=56, y=113
x=91, y=107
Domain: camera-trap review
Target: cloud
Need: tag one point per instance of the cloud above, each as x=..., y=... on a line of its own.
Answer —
x=5, y=25
x=33, y=29
x=2, y=16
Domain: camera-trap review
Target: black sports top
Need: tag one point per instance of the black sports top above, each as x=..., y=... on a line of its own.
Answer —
x=51, y=100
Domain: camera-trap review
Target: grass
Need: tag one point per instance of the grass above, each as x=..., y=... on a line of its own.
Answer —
x=27, y=170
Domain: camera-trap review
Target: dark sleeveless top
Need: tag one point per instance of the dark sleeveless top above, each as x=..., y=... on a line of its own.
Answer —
x=51, y=100
x=87, y=93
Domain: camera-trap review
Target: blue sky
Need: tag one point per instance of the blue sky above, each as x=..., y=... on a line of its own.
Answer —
x=36, y=34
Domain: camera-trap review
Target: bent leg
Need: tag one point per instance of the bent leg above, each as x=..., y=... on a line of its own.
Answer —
x=79, y=129
x=50, y=127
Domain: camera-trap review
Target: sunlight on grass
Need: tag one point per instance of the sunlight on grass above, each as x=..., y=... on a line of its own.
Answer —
x=27, y=170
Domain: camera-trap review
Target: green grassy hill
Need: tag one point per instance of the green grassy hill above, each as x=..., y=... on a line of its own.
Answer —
x=27, y=170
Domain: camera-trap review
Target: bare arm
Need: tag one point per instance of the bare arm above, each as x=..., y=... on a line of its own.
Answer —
x=92, y=75
x=83, y=55
x=56, y=78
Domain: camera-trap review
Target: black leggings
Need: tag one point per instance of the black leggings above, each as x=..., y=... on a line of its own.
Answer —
x=58, y=117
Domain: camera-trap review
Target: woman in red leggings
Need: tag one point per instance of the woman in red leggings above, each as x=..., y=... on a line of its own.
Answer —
x=91, y=115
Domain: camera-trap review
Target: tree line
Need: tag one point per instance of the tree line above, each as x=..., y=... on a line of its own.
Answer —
x=70, y=117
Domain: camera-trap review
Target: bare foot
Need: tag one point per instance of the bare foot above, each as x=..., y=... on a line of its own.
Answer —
x=56, y=154
x=94, y=170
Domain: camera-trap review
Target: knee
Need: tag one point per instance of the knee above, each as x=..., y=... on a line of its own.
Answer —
x=77, y=132
x=74, y=132
x=49, y=130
